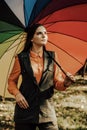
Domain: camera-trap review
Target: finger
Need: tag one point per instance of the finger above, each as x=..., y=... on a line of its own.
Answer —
x=20, y=104
x=25, y=103
x=71, y=77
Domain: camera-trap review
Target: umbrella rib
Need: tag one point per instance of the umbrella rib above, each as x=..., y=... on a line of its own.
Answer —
x=52, y=23
x=8, y=41
x=6, y=49
x=46, y=19
x=58, y=9
x=35, y=10
x=10, y=45
x=85, y=42
x=56, y=63
x=57, y=21
x=14, y=41
x=9, y=31
x=15, y=45
x=26, y=14
x=66, y=52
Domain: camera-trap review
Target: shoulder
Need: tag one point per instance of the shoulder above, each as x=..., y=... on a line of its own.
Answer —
x=22, y=54
x=51, y=53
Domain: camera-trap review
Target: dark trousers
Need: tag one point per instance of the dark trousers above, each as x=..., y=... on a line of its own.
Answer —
x=41, y=126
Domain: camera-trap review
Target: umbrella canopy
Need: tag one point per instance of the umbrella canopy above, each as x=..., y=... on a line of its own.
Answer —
x=66, y=23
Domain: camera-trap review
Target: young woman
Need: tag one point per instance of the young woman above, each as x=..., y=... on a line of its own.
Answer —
x=40, y=76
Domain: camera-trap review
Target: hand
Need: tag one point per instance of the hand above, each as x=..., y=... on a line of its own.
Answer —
x=21, y=101
x=69, y=79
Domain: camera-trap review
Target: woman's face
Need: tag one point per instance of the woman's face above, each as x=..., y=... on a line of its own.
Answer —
x=40, y=37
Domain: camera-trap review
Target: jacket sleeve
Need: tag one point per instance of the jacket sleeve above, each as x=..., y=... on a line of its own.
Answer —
x=58, y=77
x=13, y=78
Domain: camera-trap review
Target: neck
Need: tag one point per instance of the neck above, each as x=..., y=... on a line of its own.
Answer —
x=37, y=49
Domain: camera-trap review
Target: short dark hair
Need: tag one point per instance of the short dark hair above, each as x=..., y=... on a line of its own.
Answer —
x=30, y=33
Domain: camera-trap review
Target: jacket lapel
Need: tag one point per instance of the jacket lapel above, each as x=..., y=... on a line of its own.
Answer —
x=45, y=62
x=28, y=67
x=46, y=66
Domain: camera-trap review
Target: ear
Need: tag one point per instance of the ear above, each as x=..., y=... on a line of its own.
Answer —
x=31, y=40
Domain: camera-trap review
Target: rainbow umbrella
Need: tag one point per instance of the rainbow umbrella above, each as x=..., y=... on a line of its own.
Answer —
x=66, y=23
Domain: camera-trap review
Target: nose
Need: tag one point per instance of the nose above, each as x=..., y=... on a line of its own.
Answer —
x=43, y=35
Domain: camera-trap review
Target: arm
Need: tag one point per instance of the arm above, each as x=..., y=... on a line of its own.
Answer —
x=12, y=85
x=61, y=82
x=13, y=78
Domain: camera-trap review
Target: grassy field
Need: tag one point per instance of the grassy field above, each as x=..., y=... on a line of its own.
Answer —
x=70, y=106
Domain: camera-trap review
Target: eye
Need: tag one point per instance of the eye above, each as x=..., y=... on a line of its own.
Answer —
x=38, y=33
x=41, y=33
x=45, y=32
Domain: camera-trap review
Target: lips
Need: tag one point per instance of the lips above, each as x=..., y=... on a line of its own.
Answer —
x=44, y=40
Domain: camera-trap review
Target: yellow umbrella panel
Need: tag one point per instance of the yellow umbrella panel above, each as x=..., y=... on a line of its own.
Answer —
x=7, y=60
